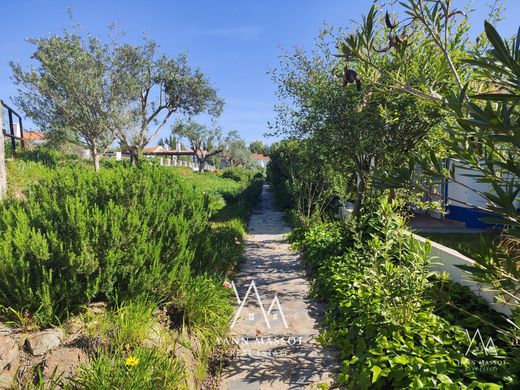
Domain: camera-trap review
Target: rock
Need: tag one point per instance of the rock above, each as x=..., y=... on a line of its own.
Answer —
x=97, y=307
x=63, y=362
x=74, y=330
x=9, y=351
x=8, y=375
x=155, y=336
x=190, y=361
x=40, y=343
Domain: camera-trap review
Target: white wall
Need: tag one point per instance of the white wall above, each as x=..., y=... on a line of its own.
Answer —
x=459, y=192
x=444, y=260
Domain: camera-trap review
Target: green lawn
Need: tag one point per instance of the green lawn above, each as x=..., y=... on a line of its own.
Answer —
x=465, y=243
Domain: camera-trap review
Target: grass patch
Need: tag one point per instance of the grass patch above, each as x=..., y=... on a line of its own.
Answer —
x=466, y=243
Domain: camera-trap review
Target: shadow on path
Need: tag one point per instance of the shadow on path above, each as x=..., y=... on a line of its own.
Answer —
x=273, y=353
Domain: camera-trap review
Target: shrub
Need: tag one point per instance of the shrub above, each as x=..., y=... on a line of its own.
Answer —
x=203, y=304
x=381, y=318
x=79, y=235
x=221, y=248
x=241, y=174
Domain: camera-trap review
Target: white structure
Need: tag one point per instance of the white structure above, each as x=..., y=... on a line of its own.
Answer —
x=461, y=198
x=445, y=259
x=261, y=160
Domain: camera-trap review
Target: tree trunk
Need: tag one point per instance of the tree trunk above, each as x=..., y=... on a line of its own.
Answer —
x=3, y=174
x=135, y=155
x=95, y=157
x=360, y=191
x=201, y=166
x=391, y=195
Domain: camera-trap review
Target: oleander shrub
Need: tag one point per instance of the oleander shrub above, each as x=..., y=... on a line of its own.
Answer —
x=381, y=317
x=78, y=236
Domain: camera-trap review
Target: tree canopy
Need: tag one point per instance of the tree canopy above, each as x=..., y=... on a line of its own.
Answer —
x=156, y=87
x=73, y=93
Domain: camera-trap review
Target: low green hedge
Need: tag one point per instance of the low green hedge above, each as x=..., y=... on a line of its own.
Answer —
x=381, y=317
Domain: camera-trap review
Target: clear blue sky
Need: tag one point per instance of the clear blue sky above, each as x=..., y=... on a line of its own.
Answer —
x=234, y=42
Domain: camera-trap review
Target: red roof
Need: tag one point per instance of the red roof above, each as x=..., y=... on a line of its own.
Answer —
x=36, y=135
x=257, y=156
x=153, y=149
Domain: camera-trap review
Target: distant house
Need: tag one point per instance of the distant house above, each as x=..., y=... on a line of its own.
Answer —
x=261, y=160
x=154, y=150
x=460, y=198
x=33, y=138
x=173, y=157
x=162, y=151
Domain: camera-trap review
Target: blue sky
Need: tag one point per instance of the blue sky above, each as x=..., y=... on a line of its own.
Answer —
x=234, y=42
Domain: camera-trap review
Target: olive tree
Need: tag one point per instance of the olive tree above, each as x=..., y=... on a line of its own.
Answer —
x=236, y=151
x=259, y=147
x=156, y=87
x=72, y=92
x=206, y=142
x=360, y=128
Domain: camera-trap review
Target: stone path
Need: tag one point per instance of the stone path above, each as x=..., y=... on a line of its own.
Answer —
x=276, y=343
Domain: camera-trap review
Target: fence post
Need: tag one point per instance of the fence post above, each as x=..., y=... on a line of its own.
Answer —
x=3, y=174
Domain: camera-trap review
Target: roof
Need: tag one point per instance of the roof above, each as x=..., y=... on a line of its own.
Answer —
x=153, y=149
x=34, y=135
x=260, y=157
x=159, y=150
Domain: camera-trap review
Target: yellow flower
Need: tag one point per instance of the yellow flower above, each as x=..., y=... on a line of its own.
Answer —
x=131, y=361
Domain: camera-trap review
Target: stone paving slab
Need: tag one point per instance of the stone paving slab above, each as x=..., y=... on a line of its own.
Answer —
x=276, y=339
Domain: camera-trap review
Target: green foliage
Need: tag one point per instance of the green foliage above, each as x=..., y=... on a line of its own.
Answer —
x=205, y=142
x=203, y=304
x=259, y=147
x=303, y=177
x=477, y=88
x=381, y=318
x=222, y=248
x=237, y=153
x=131, y=236
x=49, y=157
x=487, y=142
x=78, y=236
x=154, y=370
x=355, y=132
x=73, y=93
x=126, y=324
x=483, y=146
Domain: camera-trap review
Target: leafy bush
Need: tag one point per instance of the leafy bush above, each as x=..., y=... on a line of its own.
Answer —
x=129, y=236
x=222, y=248
x=78, y=235
x=381, y=318
x=49, y=157
x=240, y=174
